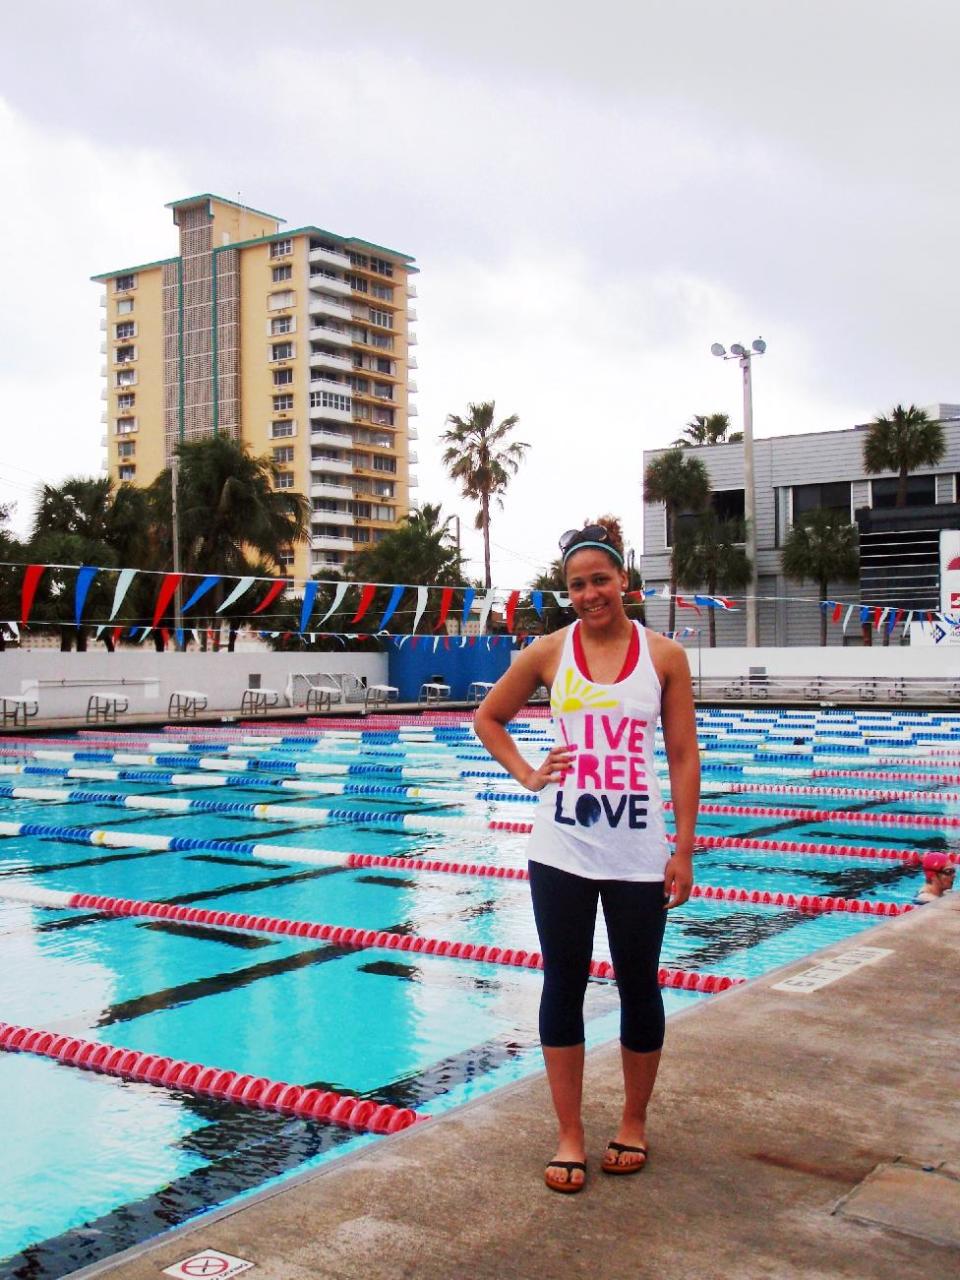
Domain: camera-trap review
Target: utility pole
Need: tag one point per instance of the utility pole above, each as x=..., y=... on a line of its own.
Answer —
x=175, y=513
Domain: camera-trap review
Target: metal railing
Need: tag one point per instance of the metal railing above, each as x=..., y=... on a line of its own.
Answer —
x=882, y=690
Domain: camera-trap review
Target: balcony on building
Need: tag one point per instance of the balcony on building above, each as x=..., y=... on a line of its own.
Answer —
x=319, y=305
x=103, y=299
x=104, y=441
x=413, y=483
x=338, y=466
x=412, y=362
x=324, y=542
x=335, y=334
x=413, y=433
x=412, y=387
x=411, y=290
x=411, y=339
x=323, y=489
x=325, y=360
x=333, y=415
x=321, y=279
x=411, y=314
x=331, y=258
x=412, y=458
x=103, y=324
x=336, y=439
x=412, y=411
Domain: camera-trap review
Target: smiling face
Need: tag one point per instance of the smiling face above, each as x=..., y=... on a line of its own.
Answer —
x=595, y=584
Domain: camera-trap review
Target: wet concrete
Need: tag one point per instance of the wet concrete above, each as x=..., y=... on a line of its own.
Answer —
x=773, y=1106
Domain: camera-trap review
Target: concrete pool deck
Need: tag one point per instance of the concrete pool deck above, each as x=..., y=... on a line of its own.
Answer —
x=772, y=1107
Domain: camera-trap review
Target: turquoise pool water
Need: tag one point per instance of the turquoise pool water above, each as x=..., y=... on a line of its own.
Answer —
x=102, y=1164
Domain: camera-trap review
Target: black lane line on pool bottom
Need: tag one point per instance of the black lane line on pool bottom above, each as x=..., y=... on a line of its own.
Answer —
x=244, y=1149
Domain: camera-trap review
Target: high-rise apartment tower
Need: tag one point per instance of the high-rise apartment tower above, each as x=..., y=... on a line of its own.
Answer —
x=296, y=342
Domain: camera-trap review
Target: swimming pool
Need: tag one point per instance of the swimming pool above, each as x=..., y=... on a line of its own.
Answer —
x=261, y=821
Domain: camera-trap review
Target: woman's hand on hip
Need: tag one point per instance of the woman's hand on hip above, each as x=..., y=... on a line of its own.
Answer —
x=556, y=765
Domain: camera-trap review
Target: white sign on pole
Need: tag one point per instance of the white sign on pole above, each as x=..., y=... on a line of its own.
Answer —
x=950, y=571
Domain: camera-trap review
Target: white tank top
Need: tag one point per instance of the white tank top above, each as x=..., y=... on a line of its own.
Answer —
x=605, y=821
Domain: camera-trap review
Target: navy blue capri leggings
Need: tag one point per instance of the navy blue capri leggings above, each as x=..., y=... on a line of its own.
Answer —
x=565, y=909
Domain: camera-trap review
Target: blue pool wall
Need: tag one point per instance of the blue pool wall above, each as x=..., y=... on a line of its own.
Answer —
x=411, y=665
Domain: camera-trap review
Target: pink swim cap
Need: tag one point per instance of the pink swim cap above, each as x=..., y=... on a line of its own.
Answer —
x=934, y=862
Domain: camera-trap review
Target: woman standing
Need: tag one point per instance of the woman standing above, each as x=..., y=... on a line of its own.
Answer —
x=599, y=833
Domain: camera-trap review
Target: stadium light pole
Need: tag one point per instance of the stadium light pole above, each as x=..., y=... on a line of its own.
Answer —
x=740, y=353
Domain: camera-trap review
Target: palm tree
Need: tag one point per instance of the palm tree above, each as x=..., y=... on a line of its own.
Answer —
x=821, y=547
x=88, y=521
x=905, y=440
x=711, y=553
x=707, y=429
x=419, y=551
x=478, y=458
x=682, y=484
x=233, y=520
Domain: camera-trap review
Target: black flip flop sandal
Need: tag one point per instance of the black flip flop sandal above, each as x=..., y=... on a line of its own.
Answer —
x=624, y=1148
x=566, y=1187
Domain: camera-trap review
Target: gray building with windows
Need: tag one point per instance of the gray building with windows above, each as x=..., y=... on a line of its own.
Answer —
x=899, y=558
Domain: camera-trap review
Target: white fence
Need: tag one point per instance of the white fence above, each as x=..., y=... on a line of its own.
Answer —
x=62, y=683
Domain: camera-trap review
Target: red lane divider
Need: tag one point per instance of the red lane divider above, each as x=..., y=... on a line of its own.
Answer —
x=687, y=979
x=831, y=815
x=803, y=901
x=914, y=856
x=210, y=1082
x=848, y=793
x=814, y=905
x=934, y=779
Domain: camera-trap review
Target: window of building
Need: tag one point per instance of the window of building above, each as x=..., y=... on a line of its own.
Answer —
x=283, y=454
x=282, y=351
x=359, y=259
x=282, y=404
x=382, y=417
x=122, y=283
x=360, y=385
x=281, y=300
x=383, y=390
x=285, y=559
x=329, y=400
x=358, y=333
x=383, y=291
x=281, y=324
x=382, y=513
x=126, y=377
x=727, y=503
x=282, y=377
x=383, y=318
x=834, y=496
x=126, y=448
x=382, y=341
x=126, y=329
x=124, y=306
x=282, y=428
x=281, y=248
x=384, y=464
x=358, y=283
x=383, y=489
x=279, y=274
x=126, y=400
x=127, y=472
x=125, y=426
x=921, y=492
x=383, y=365
x=381, y=266
x=284, y=480
x=125, y=354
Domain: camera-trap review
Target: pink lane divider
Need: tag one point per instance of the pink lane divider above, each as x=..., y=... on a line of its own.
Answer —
x=210, y=1082
x=809, y=903
x=347, y=936
x=848, y=793
x=875, y=775
x=831, y=815
x=914, y=856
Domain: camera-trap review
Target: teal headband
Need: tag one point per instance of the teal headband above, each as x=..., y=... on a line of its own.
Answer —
x=601, y=546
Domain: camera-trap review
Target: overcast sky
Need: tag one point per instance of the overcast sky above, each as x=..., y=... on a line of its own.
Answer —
x=593, y=193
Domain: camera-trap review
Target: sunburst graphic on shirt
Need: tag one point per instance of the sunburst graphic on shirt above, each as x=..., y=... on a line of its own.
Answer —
x=573, y=693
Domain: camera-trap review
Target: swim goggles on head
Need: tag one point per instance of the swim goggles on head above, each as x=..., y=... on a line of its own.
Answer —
x=592, y=535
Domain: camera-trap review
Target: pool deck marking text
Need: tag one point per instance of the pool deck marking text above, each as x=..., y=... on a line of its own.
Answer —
x=820, y=975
